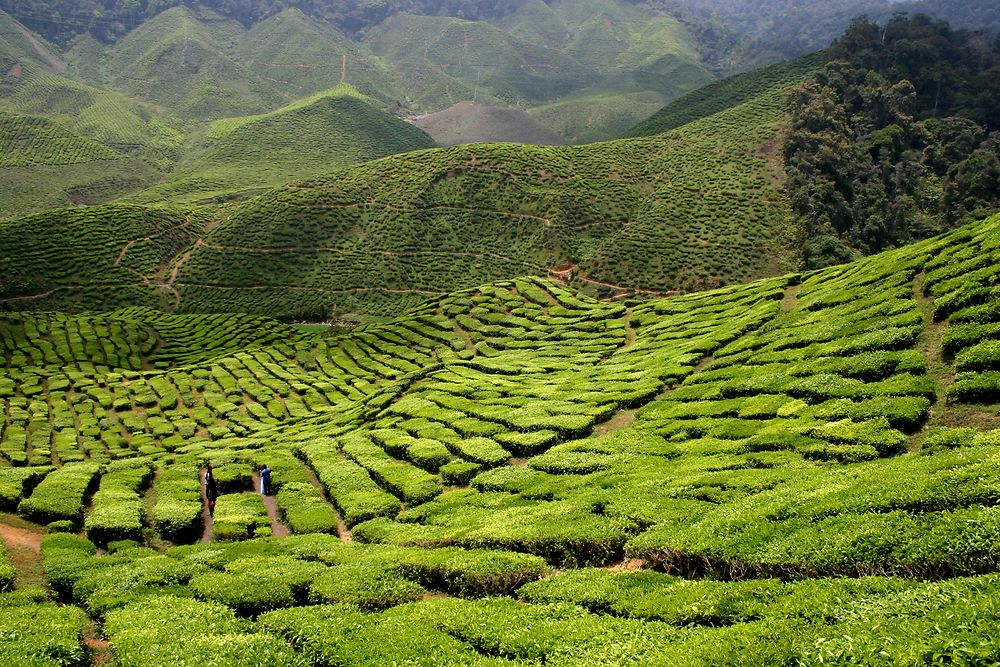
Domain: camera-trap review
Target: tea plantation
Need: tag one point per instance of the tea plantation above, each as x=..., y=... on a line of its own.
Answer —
x=801, y=470
x=698, y=207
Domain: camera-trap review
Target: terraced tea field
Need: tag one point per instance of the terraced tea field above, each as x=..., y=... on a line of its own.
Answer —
x=698, y=207
x=798, y=470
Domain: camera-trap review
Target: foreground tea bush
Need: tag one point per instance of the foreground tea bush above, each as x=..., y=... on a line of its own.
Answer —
x=60, y=495
x=521, y=440
x=118, y=510
x=149, y=633
x=38, y=633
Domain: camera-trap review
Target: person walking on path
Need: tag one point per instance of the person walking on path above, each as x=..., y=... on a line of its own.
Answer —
x=211, y=490
x=265, y=481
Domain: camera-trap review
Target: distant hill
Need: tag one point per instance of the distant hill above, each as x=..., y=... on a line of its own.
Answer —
x=468, y=122
x=90, y=146
x=179, y=60
x=45, y=165
x=318, y=134
x=695, y=207
x=725, y=94
x=18, y=44
x=204, y=62
x=299, y=56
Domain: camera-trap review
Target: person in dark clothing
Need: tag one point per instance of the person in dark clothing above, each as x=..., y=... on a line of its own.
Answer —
x=211, y=490
x=265, y=480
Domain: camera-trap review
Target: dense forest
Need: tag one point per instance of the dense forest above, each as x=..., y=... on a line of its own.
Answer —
x=896, y=138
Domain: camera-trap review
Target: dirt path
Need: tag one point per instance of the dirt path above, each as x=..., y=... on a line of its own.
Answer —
x=342, y=531
x=790, y=299
x=631, y=335
x=180, y=261
x=625, y=565
x=206, y=516
x=942, y=372
x=278, y=529
x=621, y=420
x=97, y=647
x=24, y=545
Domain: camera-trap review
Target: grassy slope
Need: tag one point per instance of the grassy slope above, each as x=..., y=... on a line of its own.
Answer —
x=92, y=146
x=124, y=146
x=441, y=60
x=725, y=94
x=467, y=122
x=773, y=449
x=693, y=208
x=17, y=43
x=314, y=135
x=299, y=57
x=185, y=62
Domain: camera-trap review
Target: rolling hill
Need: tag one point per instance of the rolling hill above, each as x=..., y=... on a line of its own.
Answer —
x=317, y=134
x=181, y=61
x=798, y=470
x=696, y=207
x=468, y=122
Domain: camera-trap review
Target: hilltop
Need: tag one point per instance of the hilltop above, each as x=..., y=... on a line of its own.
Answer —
x=317, y=134
x=670, y=481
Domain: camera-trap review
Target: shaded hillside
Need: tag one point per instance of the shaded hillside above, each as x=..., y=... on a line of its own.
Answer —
x=90, y=147
x=17, y=44
x=299, y=57
x=445, y=60
x=573, y=57
x=693, y=208
x=180, y=61
x=792, y=471
x=725, y=94
x=468, y=122
x=313, y=136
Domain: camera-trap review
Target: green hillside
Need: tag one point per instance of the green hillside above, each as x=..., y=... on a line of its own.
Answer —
x=182, y=61
x=18, y=44
x=697, y=207
x=725, y=94
x=299, y=57
x=800, y=470
x=468, y=122
x=28, y=140
x=312, y=136
x=445, y=60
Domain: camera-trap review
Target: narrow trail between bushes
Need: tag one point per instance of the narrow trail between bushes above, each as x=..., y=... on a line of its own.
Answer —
x=342, y=530
x=790, y=299
x=24, y=545
x=206, y=516
x=278, y=529
x=929, y=345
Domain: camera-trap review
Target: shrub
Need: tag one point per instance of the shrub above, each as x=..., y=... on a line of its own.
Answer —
x=60, y=495
x=458, y=473
x=369, y=586
x=177, y=513
x=168, y=630
x=254, y=585
x=238, y=516
x=15, y=483
x=976, y=387
x=304, y=509
x=483, y=451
